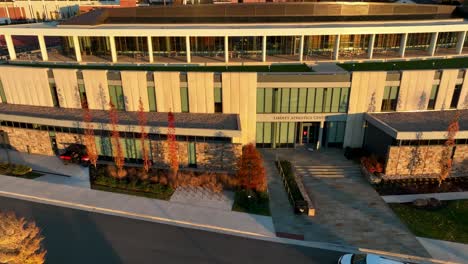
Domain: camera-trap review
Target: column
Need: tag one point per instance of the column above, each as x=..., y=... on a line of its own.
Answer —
x=319, y=142
x=226, y=49
x=301, y=49
x=336, y=48
x=187, y=46
x=370, y=49
x=76, y=45
x=461, y=41
x=43, y=48
x=10, y=46
x=113, y=49
x=432, y=47
x=264, y=44
x=404, y=39
x=150, y=49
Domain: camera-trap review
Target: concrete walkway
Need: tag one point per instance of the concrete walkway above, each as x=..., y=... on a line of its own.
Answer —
x=349, y=211
x=407, y=198
x=136, y=207
x=445, y=250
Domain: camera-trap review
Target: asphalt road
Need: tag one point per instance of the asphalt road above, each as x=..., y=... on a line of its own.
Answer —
x=75, y=236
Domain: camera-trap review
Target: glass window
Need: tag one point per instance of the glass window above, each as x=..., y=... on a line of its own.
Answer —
x=218, y=100
x=152, y=99
x=433, y=97
x=2, y=93
x=267, y=133
x=283, y=132
x=344, y=100
x=268, y=100
x=301, y=105
x=389, y=101
x=260, y=100
x=291, y=132
x=328, y=98
x=117, y=97
x=54, y=94
x=285, y=100
x=319, y=100
x=456, y=96
x=83, y=97
x=335, y=105
x=293, y=102
x=311, y=100
x=192, y=159
x=184, y=99
x=103, y=146
x=259, y=136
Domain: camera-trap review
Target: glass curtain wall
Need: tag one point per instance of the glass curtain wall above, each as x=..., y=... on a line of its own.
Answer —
x=95, y=49
x=446, y=43
x=387, y=45
x=245, y=48
x=334, y=133
x=302, y=100
x=276, y=135
x=319, y=47
x=27, y=48
x=418, y=44
x=390, y=98
x=353, y=46
x=169, y=47
x=203, y=48
x=283, y=48
x=132, y=49
x=60, y=48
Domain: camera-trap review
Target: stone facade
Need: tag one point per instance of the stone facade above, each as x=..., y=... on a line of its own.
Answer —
x=65, y=139
x=29, y=141
x=214, y=156
x=423, y=161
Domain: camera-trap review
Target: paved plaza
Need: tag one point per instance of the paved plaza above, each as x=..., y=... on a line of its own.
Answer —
x=348, y=210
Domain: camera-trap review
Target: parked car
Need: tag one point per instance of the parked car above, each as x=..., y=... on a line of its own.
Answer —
x=367, y=259
x=75, y=153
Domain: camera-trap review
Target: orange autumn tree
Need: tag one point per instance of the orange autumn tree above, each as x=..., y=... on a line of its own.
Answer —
x=446, y=157
x=116, y=144
x=89, y=141
x=142, y=121
x=172, y=145
x=251, y=173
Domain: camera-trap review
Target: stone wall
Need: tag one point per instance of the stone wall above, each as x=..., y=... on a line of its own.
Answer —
x=29, y=141
x=65, y=139
x=214, y=156
x=423, y=161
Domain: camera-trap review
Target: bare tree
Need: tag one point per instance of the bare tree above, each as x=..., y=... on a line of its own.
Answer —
x=116, y=145
x=20, y=241
x=446, y=157
x=142, y=121
x=172, y=145
x=89, y=140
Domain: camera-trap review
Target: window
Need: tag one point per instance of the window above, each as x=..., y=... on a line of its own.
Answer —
x=218, y=100
x=54, y=94
x=192, y=158
x=184, y=99
x=433, y=97
x=456, y=96
x=83, y=98
x=117, y=97
x=390, y=98
x=152, y=99
x=2, y=93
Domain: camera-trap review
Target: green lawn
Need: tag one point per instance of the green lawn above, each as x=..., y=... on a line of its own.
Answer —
x=449, y=223
x=454, y=63
x=164, y=195
x=261, y=68
x=258, y=204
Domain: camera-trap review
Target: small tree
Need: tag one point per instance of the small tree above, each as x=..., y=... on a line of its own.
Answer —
x=89, y=141
x=251, y=173
x=446, y=157
x=142, y=121
x=172, y=145
x=20, y=241
x=116, y=145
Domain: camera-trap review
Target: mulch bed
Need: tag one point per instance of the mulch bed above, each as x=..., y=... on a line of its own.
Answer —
x=420, y=186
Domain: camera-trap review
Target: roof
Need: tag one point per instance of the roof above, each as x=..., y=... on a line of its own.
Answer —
x=155, y=119
x=424, y=124
x=263, y=13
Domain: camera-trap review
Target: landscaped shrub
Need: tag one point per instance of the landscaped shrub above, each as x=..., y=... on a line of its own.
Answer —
x=251, y=173
x=20, y=170
x=291, y=180
x=372, y=164
x=251, y=202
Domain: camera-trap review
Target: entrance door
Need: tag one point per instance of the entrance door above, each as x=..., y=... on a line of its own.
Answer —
x=309, y=133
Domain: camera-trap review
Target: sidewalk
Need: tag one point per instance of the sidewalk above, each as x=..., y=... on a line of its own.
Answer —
x=137, y=207
x=445, y=250
x=407, y=198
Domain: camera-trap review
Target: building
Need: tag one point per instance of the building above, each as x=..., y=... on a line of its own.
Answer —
x=236, y=74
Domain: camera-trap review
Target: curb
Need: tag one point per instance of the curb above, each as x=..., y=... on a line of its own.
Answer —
x=222, y=230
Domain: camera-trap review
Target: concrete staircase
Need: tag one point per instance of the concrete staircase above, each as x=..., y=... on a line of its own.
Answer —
x=329, y=171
